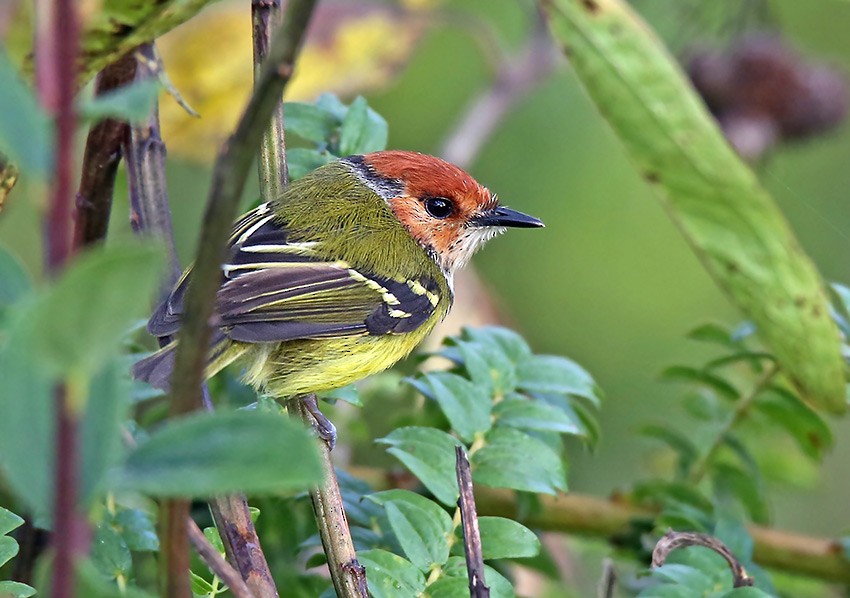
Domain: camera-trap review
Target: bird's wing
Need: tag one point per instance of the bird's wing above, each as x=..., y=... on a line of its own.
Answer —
x=275, y=290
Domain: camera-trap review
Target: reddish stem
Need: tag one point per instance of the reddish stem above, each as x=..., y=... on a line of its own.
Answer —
x=56, y=74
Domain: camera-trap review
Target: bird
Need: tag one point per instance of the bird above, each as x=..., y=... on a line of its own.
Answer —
x=341, y=276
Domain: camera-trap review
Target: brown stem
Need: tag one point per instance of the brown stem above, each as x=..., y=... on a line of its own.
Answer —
x=55, y=52
x=216, y=563
x=348, y=575
x=674, y=540
x=145, y=154
x=471, y=534
x=100, y=160
x=241, y=544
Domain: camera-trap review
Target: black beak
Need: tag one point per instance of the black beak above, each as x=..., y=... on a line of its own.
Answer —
x=507, y=217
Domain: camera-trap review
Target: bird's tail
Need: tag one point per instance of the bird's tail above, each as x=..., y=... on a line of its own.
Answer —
x=156, y=369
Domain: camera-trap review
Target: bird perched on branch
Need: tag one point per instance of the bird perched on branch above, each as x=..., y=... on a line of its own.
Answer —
x=342, y=276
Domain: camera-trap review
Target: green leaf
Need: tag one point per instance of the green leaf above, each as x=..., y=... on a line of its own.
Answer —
x=786, y=410
x=731, y=482
x=430, y=455
x=449, y=587
x=16, y=282
x=716, y=334
x=200, y=586
x=733, y=533
x=137, y=529
x=511, y=344
x=26, y=132
x=466, y=405
x=679, y=442
x=309, y=121
x=511, y=459
x=506, y=539
x=421, y=526
x=666, y=591
x=27, y=425
x=132, y=103
x=558, y=375
x=499, y=586
x=301, y=161
x=692, y=578
x=14, y=589
x=349, y=394
x=106, y=290
x=363, y=130
x=105, y=409
x=391, y=576
x=217, y=453
x=517, y=411
x=489, y=366
x=109, y=552
x=717, y=202
x=9, y=521
x=214, y=538
x=9, y=548
x=702, y=378
x=332, y=105
x=750, y=592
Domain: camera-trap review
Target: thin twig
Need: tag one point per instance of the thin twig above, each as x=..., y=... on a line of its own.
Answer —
x=57, y=32
x=145, y=154
x=674, y=540
x=348, y=575
x=471, y=535
x=266, y=18
x=241, y=544
x=216, y=562
x=100, y=160
x=608, y=581
x=515, y=79
x=742, y=407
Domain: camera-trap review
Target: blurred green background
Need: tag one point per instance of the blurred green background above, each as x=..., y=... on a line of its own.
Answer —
x=609, y=282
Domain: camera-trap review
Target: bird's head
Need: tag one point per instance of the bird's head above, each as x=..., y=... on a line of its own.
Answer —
x=442, y=207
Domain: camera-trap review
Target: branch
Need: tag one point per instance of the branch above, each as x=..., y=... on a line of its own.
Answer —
x=348, y=575
x=216, y=563
x=241, y=544
x=56, y=40
x=144, y=155
x=265, y=18
x=608, y=519
x=674, y=540
x=101, y=158
x=471, y=534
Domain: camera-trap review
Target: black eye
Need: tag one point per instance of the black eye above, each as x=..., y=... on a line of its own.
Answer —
x=439, y=207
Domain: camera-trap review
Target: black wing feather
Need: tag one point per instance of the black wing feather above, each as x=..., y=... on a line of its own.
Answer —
x=273, y=291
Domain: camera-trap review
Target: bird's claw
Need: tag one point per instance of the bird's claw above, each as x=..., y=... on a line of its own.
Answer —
x=324, y=427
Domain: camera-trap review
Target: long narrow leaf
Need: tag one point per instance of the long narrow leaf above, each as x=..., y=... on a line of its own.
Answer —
x=713, y=197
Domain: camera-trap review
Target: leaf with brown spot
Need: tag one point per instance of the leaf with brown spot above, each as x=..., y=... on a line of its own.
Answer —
x=717, y=202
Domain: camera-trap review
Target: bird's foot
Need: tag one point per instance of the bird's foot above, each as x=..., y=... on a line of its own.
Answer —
x=324, y=427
